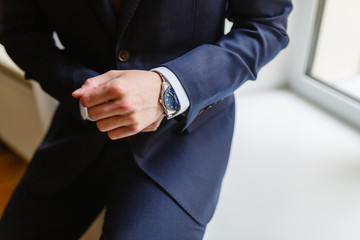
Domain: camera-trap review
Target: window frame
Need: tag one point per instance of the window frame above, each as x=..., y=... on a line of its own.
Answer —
x=305, y=40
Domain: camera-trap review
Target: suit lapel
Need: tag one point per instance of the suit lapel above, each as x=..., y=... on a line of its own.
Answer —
x=105, y=13
x=127, y=11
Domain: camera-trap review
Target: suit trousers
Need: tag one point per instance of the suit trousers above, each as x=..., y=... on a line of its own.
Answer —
x=136, y=206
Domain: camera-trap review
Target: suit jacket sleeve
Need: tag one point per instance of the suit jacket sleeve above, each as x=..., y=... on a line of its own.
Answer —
x=29, y=42
x=211, y=72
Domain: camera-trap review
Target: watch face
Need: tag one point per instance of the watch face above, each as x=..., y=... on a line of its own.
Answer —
x=171, y=101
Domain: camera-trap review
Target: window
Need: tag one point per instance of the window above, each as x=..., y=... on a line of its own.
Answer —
x=326, y=55
x=335, y=55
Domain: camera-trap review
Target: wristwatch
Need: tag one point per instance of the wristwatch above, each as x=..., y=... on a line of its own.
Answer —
x=168, y=98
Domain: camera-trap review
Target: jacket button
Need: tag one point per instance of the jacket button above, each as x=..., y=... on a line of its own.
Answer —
x=124, y=55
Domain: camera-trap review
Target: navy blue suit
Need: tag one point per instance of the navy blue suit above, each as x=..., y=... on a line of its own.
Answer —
x=186, y=156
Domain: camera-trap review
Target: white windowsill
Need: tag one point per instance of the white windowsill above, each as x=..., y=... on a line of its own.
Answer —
x=294, y=173
x=350, y=86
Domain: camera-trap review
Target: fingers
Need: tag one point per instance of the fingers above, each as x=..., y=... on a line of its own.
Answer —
x=111, y=123
x=119, y=126
x=107, y=92
x=125, y=125
x=110, y=109
x=95, y=82
x=121, y=132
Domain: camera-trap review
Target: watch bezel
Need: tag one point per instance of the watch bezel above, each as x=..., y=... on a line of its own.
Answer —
x=169, y=113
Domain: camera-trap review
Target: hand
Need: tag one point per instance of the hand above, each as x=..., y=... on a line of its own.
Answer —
x=123, y=103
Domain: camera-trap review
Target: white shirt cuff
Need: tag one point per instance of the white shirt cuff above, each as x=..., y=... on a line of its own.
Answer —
x=178, y=88
x=84, y=113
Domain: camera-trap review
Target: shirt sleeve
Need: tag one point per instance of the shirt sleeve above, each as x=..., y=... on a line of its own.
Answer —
x=178, y=88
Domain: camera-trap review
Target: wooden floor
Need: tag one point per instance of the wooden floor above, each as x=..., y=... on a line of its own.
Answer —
x=12, y=168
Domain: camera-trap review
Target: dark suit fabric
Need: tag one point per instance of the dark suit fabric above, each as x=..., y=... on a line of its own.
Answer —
x=136, y=207
x=186, y=157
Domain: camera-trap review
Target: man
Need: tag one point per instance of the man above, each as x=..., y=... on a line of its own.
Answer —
x=128, y=65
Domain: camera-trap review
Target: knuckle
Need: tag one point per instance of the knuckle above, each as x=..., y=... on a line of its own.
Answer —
x=112, y=73
x=116, y=107
x=85, y=100
x=117, y=89
x=135, y=127
x=125, y=105
x=132, y=118
x=125, y=74
x=92, y=114
x=89, y=82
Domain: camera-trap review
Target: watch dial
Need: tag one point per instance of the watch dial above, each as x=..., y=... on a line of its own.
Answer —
x=171, y=101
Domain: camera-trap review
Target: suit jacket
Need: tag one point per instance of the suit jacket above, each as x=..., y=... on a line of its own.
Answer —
x=187, y=157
